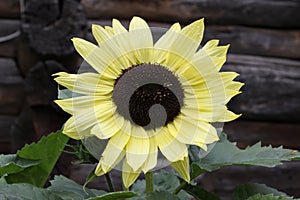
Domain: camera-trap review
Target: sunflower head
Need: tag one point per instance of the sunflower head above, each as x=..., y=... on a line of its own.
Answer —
x=148, y=97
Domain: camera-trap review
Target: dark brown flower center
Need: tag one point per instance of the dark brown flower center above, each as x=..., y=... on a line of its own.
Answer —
x=148, y=95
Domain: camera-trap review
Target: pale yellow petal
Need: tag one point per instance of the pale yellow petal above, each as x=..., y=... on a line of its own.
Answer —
x=190, y=131
x=77, y=128
x=141, y=40
x=78, y=104
x=168, y=38
x=109, y=30
x=100, y=58
x=128, y=174
x=171, y=148
x=85, y=83
x=114, y=148
x=101, y=35
x=107, y=127
x=118, y=28
x=182, y=167
x=230, y=94
x=227, y=77
x=216, y=53
x=137, y=148
x=122, y=38
x=177, y=46
x=194, y=30
x=99, y=171
x=151, y=161
x=229, y=116
x=234, y=85
x=211, y=44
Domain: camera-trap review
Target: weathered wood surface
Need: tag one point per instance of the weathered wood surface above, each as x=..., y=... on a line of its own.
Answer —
x=9, y=8
x=284, y=178
x=269, y=13
x=22, y=131
x=271, y=91
x=51, y=24
x=46, y=120
x=247, y=133
x=11, y=88
x=9, y=32
x=257, y=41
x=5, y=137
x=40, y=87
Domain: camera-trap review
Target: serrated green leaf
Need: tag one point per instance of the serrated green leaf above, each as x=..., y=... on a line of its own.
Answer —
x=11, y=163
x=47, y=151
x=26, y=191
x=115, y=195
x=68, y=189
x=160, y=195
x=244, y=191
x=226, y=153
x=268, y=197
x=199, y=193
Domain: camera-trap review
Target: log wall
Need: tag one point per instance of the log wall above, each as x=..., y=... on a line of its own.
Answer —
x=265, y=50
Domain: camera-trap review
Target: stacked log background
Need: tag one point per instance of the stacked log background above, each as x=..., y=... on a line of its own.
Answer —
x=265, y=50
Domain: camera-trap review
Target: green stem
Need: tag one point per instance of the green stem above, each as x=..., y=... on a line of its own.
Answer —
x=109, y=183
x=149, y=183
x=180, y=187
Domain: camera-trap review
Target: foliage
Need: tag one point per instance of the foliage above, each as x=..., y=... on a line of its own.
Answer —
x=22, y=175
x=47, y=152
x=226, y=153
x=10, y=164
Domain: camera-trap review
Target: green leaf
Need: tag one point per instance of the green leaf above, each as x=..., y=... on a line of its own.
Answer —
x=47, y=151
x=268, y=197
x=195, y=171
x=11, y=163
x=66, y=94
x=200, y=193
x=115, y=195
x=226, y=153
x=244, y=191
x=24, y=191
x=68, y=189
x=92, y=176
x=160, y=195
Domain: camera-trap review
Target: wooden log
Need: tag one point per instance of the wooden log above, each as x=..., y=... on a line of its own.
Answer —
x=22, y=131
x=247, y=133
x=46, y=120
x=257, y=41
x=9, y=9
x=284, y=178
x=9, y=32
x=40, y=87
x=271, y=91
x=51, y=24
x=270, y=13
x=6, y=123
x=243, y=40
x=11, y=88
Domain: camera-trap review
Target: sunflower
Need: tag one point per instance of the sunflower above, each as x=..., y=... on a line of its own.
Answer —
x=147, y=98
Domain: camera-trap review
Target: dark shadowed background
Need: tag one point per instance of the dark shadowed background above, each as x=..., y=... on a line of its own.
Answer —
x=265, y=49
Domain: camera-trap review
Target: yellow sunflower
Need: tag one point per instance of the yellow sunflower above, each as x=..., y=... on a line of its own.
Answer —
x=147, y=97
